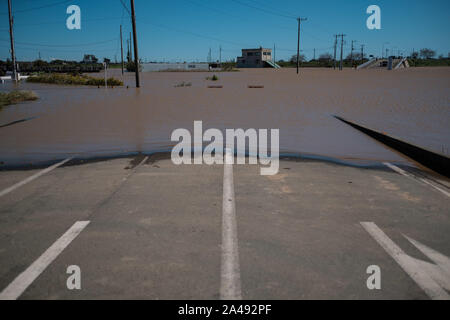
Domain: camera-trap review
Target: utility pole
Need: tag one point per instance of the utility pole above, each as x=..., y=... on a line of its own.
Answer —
x=136, y=56
x=351, y=54
x=106, y=76
x=314, y=57
x=11, y=35
x=298, y=43
x=274, y=53
x=342, y=50
x=130, y=51
x=382, y=50
x=121, y=47
x=220, y=54
x=335, y=48
x=362, y=53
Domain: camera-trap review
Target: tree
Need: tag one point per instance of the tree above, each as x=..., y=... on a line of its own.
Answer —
x=106, y=60
x=294, y=58
x=57, y=62
x=415, y=55
x=89, y=58
x=39, y=63
x=326, y=57
x=427, y=53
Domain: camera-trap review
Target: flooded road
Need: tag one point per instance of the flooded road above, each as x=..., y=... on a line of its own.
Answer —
x=412, y=104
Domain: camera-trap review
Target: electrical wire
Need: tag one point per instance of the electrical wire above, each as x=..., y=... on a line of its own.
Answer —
x=62, y=46
x=40, y=7
x=264, y=10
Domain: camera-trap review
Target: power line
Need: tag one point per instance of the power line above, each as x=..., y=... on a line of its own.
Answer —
x=270, y=8
x=63, y=46
x=264, y=10
x=41, y=7
x=62, y=22
x=125, y=6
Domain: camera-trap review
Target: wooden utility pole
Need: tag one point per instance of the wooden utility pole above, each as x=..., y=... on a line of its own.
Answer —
x=11, y=35
x=131, y=49
x=298, y=43
x=335, y=48
x=342, y=51
x=351, y=54
x=136, y=55
x=121, y=47
x=362, y=53
x=274, y=53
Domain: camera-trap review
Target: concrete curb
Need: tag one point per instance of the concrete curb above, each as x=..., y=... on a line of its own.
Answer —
x=432, y=160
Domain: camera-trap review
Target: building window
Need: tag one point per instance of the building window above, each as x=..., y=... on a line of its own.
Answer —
x=249, y=54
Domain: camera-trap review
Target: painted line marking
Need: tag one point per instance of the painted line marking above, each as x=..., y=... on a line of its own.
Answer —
x=33, y=177
x=230, y=279
x=26, y=278
x=407, y=263
x=406, y=174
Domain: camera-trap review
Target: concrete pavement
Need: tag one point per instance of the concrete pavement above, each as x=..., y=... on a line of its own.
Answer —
x=155, y=230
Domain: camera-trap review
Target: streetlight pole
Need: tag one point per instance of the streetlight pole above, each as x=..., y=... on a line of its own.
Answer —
x=382, y=50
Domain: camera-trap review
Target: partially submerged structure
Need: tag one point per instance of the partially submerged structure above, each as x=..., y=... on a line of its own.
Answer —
x=256, y=58
x=195, y=66
x=392, y=63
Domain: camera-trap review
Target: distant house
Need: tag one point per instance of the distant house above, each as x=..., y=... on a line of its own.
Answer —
x=256, y=58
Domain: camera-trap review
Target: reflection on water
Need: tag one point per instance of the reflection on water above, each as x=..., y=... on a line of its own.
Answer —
x=410, y=104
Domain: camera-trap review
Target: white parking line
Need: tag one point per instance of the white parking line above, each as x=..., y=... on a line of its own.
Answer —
x=408, y=264
x=33, y=177
x=406, y=174
x=26, y=278
x=230, y=286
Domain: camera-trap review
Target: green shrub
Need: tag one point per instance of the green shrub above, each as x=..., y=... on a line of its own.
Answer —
x=16, y=96
x=72, y=79
x=213, y=78
x=183, y=84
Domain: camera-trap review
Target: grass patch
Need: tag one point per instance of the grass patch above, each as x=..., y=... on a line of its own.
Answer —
x=16, y=96
x=183, y=84
x=213, y=78
x=429, y=62
x=72, y=79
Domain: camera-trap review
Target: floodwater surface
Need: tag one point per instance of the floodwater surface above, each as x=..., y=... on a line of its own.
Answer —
x=411, y=104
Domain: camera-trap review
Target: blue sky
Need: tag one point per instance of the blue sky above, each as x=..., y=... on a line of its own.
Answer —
x=185, y=30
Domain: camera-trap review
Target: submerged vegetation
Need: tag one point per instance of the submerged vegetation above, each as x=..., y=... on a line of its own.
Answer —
x=72, y=79
x=213, y=78
x=183, y=84
x=13, y=97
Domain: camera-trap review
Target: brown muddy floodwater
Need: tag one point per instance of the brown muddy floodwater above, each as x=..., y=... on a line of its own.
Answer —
x=412, y=104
